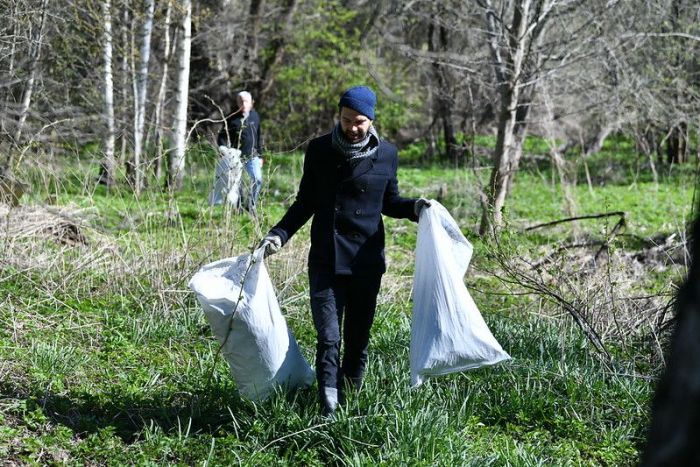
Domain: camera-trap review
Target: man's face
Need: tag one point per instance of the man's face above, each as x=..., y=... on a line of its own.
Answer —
x=354, y=125
x=245, y=103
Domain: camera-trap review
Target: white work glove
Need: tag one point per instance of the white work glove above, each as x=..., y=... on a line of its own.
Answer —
x=271, y=243
x=420, y=204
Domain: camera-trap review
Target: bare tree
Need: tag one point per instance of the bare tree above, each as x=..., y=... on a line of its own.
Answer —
x=275, y=56
x=160, y=100
x=10, y=34
x=438, y=41
x=34, y=61
x=513, y=49
x=126, y=91
x=177, y=156
x=141, y=88
x=109, y=164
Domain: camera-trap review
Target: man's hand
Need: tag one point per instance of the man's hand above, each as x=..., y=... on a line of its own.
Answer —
x=420, y=204
x=271, y=243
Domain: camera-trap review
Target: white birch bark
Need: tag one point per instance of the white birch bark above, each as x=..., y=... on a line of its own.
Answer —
x=140, y=90
x=160, y=100
x=109, y=162
x=132, y=161
x=177, y=157
x=124, y=82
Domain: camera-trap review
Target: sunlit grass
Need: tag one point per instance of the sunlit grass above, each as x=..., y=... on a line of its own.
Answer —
x=106, y=358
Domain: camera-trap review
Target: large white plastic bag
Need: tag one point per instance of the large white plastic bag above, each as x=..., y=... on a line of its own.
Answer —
x=448, y=333
x=227, y=178
x=260, y=350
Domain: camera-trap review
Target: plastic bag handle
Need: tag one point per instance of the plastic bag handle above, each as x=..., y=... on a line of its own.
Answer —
x=258, y=254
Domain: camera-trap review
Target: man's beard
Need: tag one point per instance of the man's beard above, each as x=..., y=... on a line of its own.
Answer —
x=354, y=137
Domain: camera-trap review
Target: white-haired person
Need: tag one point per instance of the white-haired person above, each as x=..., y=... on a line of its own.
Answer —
x=244, y=133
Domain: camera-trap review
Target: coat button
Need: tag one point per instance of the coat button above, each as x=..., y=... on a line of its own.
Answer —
x=358, y=212
x=337, y=208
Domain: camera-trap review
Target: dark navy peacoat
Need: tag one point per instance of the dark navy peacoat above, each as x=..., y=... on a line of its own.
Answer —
x=347, y=232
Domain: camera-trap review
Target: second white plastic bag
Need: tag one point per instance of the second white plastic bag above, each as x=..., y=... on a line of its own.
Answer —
x=240, y=304
x=227, y=178
x=448, y=334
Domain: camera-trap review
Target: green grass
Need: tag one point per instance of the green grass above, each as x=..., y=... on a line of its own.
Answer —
x=105, y=356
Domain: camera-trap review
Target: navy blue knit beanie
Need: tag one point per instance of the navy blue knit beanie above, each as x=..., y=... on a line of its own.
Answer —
x=361, y=99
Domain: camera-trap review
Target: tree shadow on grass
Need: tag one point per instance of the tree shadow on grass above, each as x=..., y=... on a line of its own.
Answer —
x=211, y=409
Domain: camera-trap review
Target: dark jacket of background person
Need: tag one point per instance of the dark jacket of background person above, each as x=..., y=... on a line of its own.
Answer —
x=244, y=134
x=347, y=232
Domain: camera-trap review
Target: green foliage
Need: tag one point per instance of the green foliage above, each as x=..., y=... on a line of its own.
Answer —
x=321, y=62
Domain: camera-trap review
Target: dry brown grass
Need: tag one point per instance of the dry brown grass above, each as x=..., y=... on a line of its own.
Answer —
x=610, y=293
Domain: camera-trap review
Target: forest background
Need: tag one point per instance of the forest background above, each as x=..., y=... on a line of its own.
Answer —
x=563, y=136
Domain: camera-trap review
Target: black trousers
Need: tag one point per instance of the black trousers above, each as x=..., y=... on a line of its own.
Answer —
x=342, y=306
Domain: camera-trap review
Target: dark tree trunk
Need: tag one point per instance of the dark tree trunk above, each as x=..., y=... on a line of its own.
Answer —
x=276, y=53
x=443, y=95
x=676, y=144
x=250, y=55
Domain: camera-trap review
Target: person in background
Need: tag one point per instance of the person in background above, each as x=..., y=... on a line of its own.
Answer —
x=349, y=182
x=244, y=133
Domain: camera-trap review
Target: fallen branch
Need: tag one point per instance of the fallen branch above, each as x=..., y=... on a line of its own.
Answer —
x=578, y=218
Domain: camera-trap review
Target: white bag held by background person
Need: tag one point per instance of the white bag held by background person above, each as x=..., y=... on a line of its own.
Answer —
x=240, y=304
x=227, y=177
x=448, y=333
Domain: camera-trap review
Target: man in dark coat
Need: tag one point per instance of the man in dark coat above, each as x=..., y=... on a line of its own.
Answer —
x=349, y=181
x=244, y=133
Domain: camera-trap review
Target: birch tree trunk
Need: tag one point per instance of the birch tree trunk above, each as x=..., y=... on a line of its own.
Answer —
x=124, y=83
x=34, y=65
x=177, y=155
x=160, y=100
x=141, y=89
x=109, y=164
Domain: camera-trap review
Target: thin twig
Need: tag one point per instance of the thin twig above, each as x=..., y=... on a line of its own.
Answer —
x=577, y=218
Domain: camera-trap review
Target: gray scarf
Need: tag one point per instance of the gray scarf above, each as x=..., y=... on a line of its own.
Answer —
x=355, y=152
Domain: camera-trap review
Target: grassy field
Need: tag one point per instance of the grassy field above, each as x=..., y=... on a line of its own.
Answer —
x=105, y=356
